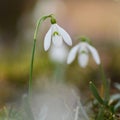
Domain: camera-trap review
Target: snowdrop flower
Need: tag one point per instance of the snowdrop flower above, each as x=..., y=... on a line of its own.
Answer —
x=83, y=49
x=56, y=34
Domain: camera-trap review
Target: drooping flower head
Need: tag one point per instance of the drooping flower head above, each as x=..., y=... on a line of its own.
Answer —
x=56, y=35
x=83, y=49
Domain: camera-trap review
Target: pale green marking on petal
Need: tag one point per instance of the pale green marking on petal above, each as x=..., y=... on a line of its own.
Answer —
x=57, y=40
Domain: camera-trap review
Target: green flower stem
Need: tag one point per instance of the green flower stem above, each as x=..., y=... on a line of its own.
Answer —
x=105, y=84
x=39, y=22
x=59, y=73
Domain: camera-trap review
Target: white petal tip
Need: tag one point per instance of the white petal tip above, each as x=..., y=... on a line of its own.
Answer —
x=98, y=62
x=70, y=43
x=46, y=47
x=68, y=61
x=83, y=66
x=97, y=59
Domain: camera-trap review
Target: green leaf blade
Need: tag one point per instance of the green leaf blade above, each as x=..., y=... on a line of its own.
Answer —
x=95, y=93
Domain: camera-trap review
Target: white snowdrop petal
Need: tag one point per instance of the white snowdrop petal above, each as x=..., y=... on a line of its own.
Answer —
x=57, y=40
x=94, y=54
x=47, y=39
x=65, y=35
x=72, y=54
x=83, y=59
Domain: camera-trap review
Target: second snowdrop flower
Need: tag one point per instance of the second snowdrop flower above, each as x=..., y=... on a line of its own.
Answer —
x=83, y=49
x=56, y=34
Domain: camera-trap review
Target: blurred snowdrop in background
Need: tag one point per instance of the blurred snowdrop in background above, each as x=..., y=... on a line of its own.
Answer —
x=48, y=7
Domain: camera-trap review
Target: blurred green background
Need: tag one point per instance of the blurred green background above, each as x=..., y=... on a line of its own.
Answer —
x=97, y=19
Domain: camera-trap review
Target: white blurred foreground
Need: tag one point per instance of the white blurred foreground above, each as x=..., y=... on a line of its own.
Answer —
x=57, y=102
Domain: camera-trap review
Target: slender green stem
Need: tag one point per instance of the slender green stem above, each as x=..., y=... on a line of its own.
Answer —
x=59, y=73
x=39, y=22
x=105, y=84
x=31, y=67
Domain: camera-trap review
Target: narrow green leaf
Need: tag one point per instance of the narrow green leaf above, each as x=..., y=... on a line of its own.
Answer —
x=95, y=93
